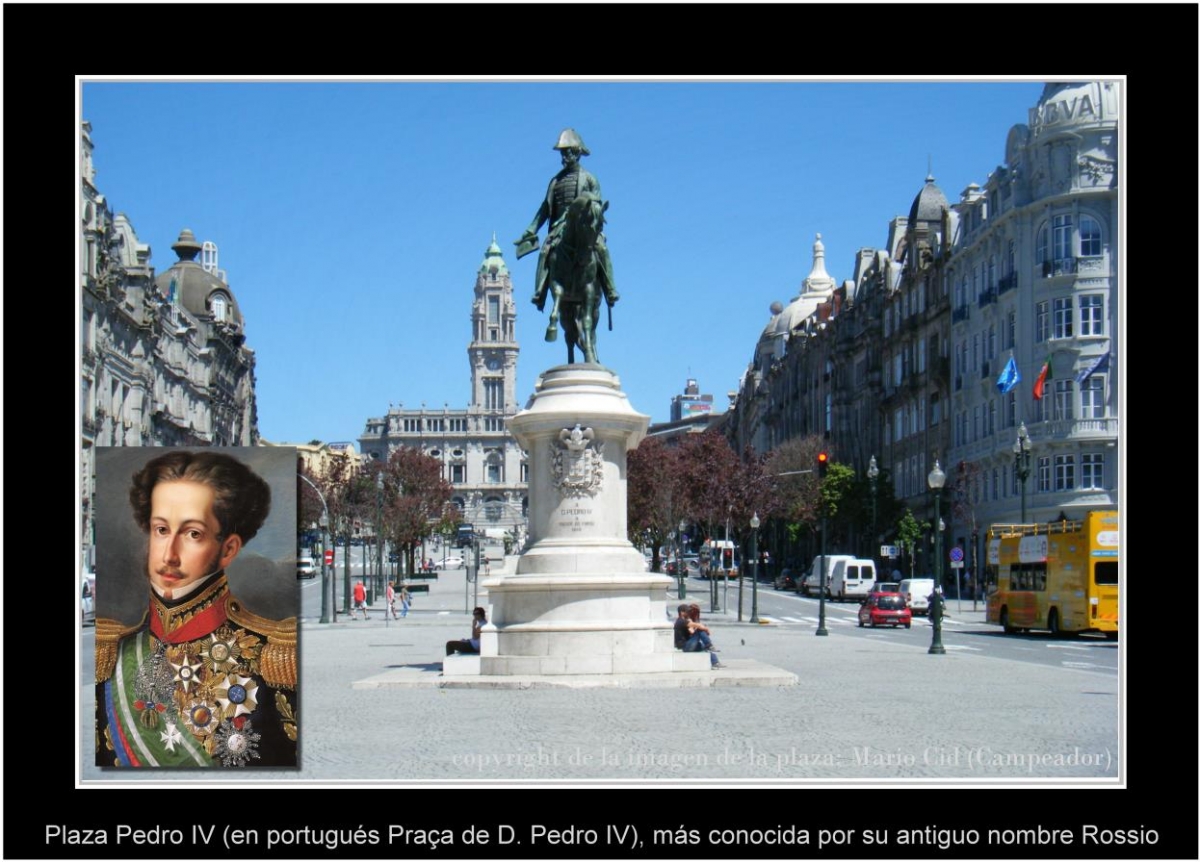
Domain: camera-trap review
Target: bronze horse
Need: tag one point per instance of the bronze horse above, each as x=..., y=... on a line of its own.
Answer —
x=572, y=276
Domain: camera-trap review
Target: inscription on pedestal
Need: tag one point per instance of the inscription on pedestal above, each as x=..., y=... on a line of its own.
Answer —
x=573, y=519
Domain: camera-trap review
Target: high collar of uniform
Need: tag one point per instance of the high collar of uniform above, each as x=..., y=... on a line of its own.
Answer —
x=192, y=617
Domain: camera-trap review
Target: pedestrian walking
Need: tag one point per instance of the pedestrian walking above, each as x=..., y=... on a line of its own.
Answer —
x=405, y=600
x=391, y=599
x=360, y=601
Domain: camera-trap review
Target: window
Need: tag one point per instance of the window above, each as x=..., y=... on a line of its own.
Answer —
x=1064, y=402
x=991, y=342
x=921, y=356
x=1043, y=322
x=458, y=474
x=1091, y=398
x=1012, y=256
x=220, y=307
x=1064, y=318
x=1042, y=251
x=1011, y=340
x=494, y=467
x=1091, y=314
x=1043, y=474
x=991, y=419
x=1012, y=409
x=1091, y=470
x=975, y=414
x=935, y=409
x=493, y=392
x=1089, y=237
x=1062, y=238
x=1064, y=472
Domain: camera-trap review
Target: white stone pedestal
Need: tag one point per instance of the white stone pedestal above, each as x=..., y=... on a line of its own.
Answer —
x=581, y=601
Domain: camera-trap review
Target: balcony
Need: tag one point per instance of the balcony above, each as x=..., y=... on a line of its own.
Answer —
x=963, y=312
x=1007, y=283
x=987, y=297
x=1053, y=268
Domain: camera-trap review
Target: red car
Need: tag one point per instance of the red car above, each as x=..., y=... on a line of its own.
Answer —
x=885, y=609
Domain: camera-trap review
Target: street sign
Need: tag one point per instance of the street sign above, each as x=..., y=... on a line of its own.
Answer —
x=956, y=555
x=329, y=557
x=888, y=551
x=956, y=564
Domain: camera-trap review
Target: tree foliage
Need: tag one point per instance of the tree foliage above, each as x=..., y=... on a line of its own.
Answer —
x=654, y=495
x=908, y=533
x=416, y=500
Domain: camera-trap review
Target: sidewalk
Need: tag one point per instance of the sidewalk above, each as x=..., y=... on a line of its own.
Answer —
x=865, y=710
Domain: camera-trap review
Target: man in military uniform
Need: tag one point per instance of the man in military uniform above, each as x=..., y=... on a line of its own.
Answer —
x=200, y=681
x=568, y=184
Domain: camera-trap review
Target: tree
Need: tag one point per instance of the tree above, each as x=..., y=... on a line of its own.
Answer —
x=654, y=495
x=908, y=533
x=708, y=472
x=415, y=500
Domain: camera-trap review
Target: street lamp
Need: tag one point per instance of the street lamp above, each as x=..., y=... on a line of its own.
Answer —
x=873, y=475
x=1020, y=448
x=680, y=569
x=379, y=533
x=937, y=480
x=754, y=524
x=326, y=579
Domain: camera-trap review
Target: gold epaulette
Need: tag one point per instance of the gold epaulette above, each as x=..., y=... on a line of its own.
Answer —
x=109, y=634
x=277, y=661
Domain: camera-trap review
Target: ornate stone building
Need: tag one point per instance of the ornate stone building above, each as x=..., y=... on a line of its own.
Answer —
x=1034, y=277
x=163, y=359
x=902, y=361
x=480, y=458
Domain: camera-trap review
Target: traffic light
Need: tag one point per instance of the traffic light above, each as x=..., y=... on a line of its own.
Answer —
x=727, y=558
x=822, y=464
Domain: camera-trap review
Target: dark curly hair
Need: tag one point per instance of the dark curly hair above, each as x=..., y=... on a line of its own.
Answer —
x=242, y=498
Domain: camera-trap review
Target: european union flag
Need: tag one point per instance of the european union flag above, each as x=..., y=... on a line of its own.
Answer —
x=1009, y=377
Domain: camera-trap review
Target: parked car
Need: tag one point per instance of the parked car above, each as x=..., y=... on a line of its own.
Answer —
x=785, y=580
x=449, y=563
x=88, y=603
x=885, y=609
x=306, y=568
x=916, y=592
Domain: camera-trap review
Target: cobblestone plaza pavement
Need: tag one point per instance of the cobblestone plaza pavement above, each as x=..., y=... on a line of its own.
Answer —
x=865, y=710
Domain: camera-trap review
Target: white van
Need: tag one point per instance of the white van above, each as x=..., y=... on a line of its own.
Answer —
x=916, y=592
x=852, y=579
x=809, y=586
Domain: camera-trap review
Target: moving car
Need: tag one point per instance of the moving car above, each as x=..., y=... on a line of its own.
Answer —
x=306, y=568
x=885, y=609
x=785, y=580
x=449, y=563
x=916, y=592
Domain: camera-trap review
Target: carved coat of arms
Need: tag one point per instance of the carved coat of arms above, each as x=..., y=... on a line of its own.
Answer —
x=578, y=462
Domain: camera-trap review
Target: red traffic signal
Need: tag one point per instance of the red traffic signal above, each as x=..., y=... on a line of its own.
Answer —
x=822, y=464
x=727, y=558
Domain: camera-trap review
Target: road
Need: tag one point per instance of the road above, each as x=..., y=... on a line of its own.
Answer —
x=961, y=631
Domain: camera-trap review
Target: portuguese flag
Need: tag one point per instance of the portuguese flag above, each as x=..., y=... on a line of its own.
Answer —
x=1039, y=385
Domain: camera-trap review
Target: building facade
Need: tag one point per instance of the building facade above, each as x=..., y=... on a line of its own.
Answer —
x=163, y=358
x=480, y=458
x=1034, y=279
x=901, y=362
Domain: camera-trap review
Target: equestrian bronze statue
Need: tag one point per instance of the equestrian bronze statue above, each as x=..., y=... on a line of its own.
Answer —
x=573, y=267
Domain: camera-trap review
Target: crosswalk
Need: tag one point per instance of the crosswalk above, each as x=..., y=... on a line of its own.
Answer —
x=832, y=619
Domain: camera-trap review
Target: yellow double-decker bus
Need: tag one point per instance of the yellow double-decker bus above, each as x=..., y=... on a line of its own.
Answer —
x=1059, y=576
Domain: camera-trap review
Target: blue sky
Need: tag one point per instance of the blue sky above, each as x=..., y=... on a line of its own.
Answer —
x=351, y=216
